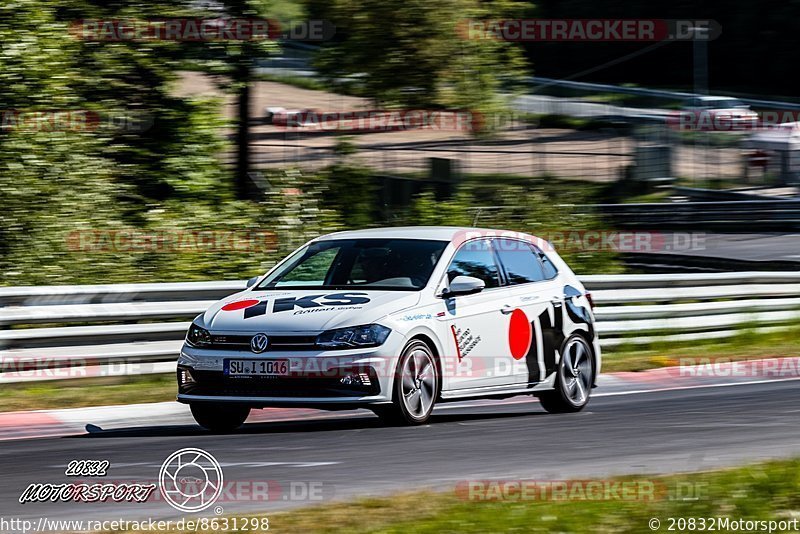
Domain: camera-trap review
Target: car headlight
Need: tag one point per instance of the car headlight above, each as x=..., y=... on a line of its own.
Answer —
x=370, y=335
x=198, y=337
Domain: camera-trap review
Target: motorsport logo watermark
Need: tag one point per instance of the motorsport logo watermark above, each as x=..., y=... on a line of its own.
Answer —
x=186, y=468
x=723, y=524
x=88, y=493
x=189, y=480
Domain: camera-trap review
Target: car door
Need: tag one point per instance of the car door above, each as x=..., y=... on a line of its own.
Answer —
x=471, y=321
x=532, y=310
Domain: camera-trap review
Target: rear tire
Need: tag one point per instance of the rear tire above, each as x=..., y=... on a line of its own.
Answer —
x=416, y=387
x=574, y=378
x=219, y=417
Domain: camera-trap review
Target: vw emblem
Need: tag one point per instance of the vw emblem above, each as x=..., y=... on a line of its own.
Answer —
x=259, y=343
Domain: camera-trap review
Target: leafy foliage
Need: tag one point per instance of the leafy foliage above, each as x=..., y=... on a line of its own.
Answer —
x=412, y=53
x=536, y=207
x=61, y=187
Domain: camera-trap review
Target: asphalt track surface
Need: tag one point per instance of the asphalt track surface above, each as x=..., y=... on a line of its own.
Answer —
x=340, y=457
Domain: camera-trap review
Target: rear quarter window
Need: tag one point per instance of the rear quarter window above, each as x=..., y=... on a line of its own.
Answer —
x=520, y=261
x=550, y=270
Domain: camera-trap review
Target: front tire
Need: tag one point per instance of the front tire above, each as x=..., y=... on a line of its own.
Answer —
x=574, y=378
x=219, y=417
x=416, y=387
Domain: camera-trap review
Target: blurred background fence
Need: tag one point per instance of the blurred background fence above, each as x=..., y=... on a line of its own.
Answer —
x=603, y=149
x=602, y=159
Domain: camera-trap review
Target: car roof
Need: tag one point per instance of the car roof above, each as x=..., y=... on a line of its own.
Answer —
x=435, y=233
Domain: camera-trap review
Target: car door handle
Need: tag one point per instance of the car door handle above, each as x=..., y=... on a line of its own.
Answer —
x=506, y=309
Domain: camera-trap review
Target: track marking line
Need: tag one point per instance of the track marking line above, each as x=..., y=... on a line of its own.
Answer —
x=696, y=386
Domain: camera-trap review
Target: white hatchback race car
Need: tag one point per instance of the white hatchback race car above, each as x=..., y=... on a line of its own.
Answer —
x=395, y=320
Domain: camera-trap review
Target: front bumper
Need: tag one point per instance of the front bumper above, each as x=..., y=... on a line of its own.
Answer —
x=321, y=379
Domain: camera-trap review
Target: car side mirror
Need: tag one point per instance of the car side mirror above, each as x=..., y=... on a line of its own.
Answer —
x=464, y=285
x=252, y=281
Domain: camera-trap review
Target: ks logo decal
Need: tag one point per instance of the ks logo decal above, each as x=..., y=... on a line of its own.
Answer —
x=256, y=308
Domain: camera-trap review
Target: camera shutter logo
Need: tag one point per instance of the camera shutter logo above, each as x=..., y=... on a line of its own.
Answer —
x=190, y=480
x=259, y=343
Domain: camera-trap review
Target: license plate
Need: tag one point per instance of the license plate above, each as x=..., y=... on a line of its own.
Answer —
x=241, y=368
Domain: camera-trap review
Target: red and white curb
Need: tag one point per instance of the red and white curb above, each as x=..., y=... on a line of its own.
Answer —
x=77, y=421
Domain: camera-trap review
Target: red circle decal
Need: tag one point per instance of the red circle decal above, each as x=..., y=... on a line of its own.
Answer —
x=519, y=334
x=239, y=305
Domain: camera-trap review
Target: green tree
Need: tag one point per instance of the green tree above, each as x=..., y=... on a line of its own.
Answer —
x=52, y=179
x=415, y=54
x=535, y=207
x=60, y=186
x=235, y=61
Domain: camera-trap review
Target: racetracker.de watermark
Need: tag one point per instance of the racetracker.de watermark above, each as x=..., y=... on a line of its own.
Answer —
x=723, y=120
x=75, y=120
x=625, y=241
x=171, y=241
x=200, y=30
x=199, y=524
x=585, y=240
x=787, y=367
x=392, y=120
x=144, y=491
x=32, y=368
x=579, y=490
x=590, y=30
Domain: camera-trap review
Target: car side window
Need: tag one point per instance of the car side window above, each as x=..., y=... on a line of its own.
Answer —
x=519, y=261
x=550, y=270
x=475, y=259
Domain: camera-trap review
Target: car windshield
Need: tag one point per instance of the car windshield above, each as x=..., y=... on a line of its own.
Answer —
x=387, y=264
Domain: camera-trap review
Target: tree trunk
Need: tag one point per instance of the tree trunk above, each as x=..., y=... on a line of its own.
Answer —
x=244, y=185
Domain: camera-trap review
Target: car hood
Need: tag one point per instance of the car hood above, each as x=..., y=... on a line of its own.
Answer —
x=303, y=311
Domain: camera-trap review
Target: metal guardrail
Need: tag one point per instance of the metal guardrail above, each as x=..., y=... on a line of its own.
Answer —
x=657, y=93
x=52, y=332
x=766, y=215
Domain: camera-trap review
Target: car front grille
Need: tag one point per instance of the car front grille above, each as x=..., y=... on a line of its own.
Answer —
x=276, y=343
